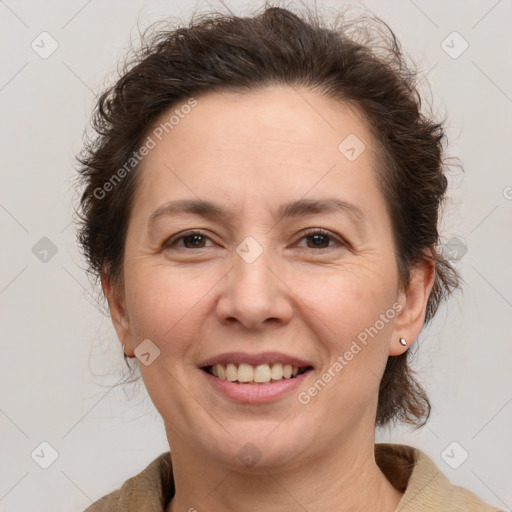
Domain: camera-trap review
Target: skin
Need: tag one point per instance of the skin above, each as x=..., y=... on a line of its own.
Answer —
x=252, y=152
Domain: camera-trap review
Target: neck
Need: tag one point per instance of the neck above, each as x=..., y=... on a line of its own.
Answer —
x=342, y=479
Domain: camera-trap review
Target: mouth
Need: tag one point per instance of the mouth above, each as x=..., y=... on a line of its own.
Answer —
x=266, y=377
x=260, y=374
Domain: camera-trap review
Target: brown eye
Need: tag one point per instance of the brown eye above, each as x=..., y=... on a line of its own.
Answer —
x=191, y=240
x=194, y=241
x=320, y=239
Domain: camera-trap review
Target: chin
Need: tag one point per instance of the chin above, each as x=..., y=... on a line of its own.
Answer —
x=257, y=447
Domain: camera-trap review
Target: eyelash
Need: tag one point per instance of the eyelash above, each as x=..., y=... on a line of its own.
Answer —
x=308, y=233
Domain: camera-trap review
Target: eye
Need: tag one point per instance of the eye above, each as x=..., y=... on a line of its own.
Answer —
x=320, y=239
x=190, y=239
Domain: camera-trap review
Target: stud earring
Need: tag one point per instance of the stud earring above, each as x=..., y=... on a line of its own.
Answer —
x=403, y=342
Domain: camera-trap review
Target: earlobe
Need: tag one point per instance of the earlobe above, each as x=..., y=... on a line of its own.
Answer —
x=414, y=299
x=118, y=312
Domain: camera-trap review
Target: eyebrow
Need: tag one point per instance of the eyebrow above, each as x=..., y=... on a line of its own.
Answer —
x=299, y=208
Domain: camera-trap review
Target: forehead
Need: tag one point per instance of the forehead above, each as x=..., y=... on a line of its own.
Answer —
x=273, y=141
x=273, y=116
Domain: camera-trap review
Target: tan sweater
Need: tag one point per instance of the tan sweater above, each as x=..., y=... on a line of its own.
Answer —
x=425, y=488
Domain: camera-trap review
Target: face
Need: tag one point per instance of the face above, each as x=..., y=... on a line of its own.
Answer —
x=291, y=264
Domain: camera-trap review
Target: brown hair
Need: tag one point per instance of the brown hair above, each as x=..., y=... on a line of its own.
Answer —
x=225, y=52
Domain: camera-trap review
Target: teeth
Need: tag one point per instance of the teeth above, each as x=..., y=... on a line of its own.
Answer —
x=245, y=373
x=277, y=371
x=231, y=372
x=261, y=374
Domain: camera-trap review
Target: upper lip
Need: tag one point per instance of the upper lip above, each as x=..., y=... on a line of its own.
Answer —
x=255, y=359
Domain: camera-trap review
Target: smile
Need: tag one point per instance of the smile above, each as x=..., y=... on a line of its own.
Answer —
x=255, y=378
x=245, y=373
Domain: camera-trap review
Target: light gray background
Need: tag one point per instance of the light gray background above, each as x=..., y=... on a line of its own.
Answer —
x=59, y=356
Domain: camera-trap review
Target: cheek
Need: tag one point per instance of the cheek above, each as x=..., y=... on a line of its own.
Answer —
x=352, y=318
x=346, y=301
x=168, y=307
x=352, y=322
x=164, y=303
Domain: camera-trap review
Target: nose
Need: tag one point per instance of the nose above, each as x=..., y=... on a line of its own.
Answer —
x=254, y=295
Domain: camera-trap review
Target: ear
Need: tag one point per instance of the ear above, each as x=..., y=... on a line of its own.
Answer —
x=120, y=320
x=413, y=299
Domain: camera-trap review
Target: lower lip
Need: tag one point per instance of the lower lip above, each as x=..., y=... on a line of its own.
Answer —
x=256, y=393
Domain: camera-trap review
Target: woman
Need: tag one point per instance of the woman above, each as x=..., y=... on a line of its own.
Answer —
x=261, y=206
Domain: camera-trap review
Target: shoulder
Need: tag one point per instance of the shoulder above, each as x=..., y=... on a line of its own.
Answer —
x=425, y=487
x=149, y=490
